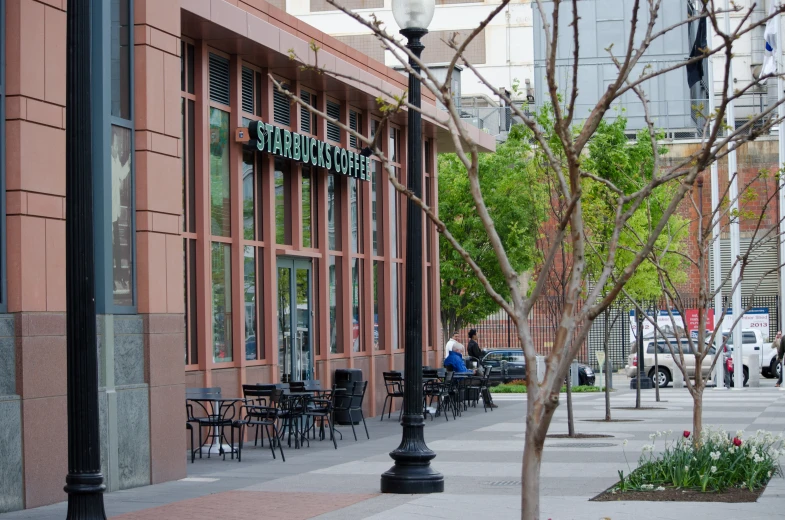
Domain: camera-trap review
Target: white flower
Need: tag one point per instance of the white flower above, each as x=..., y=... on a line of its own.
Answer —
x=758, y=458
x=652, y=436
x=714, y=469
x=739, y=433
x=647, y=487
x=715, y=455
x=625, y=442
x=660, y=488
x=769, y=474
x=686, y=468
x=647, y=448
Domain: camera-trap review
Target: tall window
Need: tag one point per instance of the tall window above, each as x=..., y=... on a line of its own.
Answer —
x=220, y=201
x=355, y=211
x=114, y=192
x=332, y=296
x=251, y=244
x=307, y=194
x=357, y=328
x=220, y=84
x=394, y=202
x=333, y=213
x=187, y=107
x=283, y=219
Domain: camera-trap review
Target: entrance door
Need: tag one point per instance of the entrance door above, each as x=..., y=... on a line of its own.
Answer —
x=295, y=350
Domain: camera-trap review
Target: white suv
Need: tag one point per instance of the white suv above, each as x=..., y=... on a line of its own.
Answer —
x=667, y=366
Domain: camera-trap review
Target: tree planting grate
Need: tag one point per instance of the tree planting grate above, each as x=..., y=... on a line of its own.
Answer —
x=500, y=483
x=581, y=445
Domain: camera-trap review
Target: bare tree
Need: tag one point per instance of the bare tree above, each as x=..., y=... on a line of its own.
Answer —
x=703, y=345
x=583, y=301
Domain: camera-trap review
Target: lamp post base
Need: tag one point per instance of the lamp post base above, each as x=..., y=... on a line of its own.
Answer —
x=404, y=479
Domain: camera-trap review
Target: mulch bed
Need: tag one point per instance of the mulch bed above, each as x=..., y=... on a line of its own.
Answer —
x=731, y=495
x=612, y=420
x=641, y=408
x=578, y=436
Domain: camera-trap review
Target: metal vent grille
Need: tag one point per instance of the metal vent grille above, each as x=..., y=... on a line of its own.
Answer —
x=762, y=266
x=281, y=106
x=219, y=79
x=333, y=130
x=248, y=90
x=354, y=118
x=305, y=114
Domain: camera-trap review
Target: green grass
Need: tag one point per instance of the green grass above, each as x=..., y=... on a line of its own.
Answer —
x=512, y=388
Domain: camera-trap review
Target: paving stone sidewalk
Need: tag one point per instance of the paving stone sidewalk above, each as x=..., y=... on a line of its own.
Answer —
x=480, y=457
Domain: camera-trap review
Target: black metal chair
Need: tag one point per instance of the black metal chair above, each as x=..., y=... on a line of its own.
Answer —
x=393, y=382
x=440, y=391
x=260, y=417
x=259, y=395
x=351, y=401
x=323, y=409
x=485, y=388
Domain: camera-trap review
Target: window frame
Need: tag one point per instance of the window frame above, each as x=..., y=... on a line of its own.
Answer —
x=103, y=121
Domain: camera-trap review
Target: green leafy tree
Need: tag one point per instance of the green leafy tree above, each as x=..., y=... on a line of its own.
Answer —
x=517, y=197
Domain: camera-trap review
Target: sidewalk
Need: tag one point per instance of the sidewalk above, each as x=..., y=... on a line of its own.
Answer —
x=480, y=457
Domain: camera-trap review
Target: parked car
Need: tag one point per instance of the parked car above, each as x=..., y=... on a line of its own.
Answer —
x=768, y=365
x=665, y=362
x=516, y=367
x=753, y=344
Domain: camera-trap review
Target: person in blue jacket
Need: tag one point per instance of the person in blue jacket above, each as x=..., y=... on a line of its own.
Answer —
x=454, y=362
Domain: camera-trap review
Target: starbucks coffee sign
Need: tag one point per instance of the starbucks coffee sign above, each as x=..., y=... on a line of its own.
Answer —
x=309, y=150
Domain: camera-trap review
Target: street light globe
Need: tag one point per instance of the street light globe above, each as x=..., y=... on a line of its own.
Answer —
x=413, y=14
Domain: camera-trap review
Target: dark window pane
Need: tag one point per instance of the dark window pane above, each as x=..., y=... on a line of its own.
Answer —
x=374, y=202
x=393, y=203
x=222, y=302
x=307, y=204
x=333, y=213
x=354, y=215
x=191, y=159
x=120, y=36
x=283, y=220
x=376, y=332
x=249, y=232
x=332, y=295
x=394, y=306
x=356, y=307
x=220, y=202
x=249, y=287
x=189, y=270
x=122, y=211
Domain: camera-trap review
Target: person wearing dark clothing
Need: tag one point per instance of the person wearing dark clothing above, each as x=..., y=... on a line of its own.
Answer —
x=779, y=344
x=474, y=348
x=476, y=352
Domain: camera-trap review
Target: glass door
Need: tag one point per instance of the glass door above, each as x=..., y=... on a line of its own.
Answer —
x=295, y=351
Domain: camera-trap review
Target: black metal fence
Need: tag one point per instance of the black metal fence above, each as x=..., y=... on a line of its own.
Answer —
x=498, y=330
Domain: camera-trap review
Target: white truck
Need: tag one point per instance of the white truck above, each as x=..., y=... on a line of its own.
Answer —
x=753, y=343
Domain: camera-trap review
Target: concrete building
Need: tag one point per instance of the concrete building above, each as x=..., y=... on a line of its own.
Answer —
x=219, y=262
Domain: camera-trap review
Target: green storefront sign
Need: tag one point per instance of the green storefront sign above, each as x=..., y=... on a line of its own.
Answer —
x=291, y=145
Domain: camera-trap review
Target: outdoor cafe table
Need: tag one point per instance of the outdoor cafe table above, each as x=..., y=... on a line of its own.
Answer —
x=215, y=410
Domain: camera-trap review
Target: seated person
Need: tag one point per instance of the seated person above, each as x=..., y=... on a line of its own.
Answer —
x=455, y=363
x=454, y=360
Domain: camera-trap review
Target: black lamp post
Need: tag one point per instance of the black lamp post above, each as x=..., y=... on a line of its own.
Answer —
x=84, y=482
x=412, y=472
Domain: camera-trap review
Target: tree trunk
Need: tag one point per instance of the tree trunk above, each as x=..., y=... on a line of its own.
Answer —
x=570, y=419
x=697, y=415
x=530, y=470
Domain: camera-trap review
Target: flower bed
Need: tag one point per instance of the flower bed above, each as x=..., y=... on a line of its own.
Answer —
x=720, y=463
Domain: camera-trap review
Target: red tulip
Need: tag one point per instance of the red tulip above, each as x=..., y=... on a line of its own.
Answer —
x=736, y=441
x=686, y=434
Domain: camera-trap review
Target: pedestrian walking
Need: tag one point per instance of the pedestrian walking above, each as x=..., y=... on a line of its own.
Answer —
x=780, y=346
